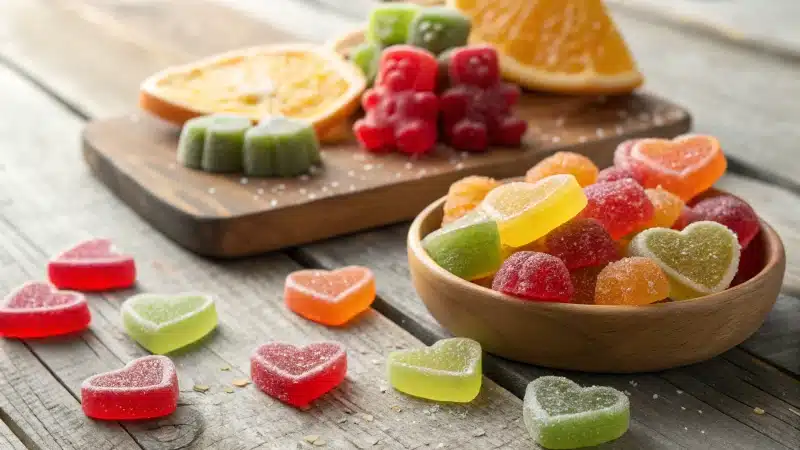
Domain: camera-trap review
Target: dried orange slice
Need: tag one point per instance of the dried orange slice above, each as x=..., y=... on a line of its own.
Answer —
x=567, y=46
x=294, y=80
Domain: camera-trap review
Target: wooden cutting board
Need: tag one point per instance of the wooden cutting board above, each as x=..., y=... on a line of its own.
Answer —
x=233, y=216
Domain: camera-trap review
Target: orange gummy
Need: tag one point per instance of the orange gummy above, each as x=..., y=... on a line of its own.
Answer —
x=581, y=167
x=330, y=297
x=631, y=281
x=465, y=195
x=667, y=208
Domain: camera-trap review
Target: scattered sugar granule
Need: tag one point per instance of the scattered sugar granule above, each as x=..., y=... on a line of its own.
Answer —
x=212, y=190
x=758, y=411
x=655, y=396
x=244, y=180
x=367, y=417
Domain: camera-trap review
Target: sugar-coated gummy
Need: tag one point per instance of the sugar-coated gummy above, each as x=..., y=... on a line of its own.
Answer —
x=330, y=297
x=280, y=147
x=465, y=195
x=163, y=323
x=581, y=243
x=534, y=276
x=559, y=414
x=367, y=56
x=36, y=309
x=146, y=388
x=730, y=211
x=614, y=173
x=92, y=265
x=389, y=23
x=298, y=375
x=467, y=249
x=581, y=167
x=631, y=281
x=439, y=28
x=584, y=282
x=621, y=206
x=224, y=143
x=448, y=371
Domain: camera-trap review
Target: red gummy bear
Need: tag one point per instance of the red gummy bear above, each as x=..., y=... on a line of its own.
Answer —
x=534, y=276
x=402, y=108
x=476, y=109
x=298, y=375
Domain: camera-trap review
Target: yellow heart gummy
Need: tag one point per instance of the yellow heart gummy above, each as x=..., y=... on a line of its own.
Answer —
x=700, y=260
x=527, y=211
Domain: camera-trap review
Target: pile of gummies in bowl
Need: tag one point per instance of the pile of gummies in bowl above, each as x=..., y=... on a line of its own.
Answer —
x=647, y=230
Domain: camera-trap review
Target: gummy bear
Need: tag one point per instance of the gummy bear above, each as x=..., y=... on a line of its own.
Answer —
x=145, y=388
x=93, y=265
x=534, y=276
x=581, y=167
x=330, y=297
x=37, y=309
x=389, y=23
x=298, y=375
x=730, y=211
x=477, y=108
x=581, y=243
x=402, y=109
x=438, y=28
x=465, y=195
x=620, y=206
x=631, y=281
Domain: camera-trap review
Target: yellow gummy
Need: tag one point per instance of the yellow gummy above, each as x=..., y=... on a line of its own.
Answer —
x=527, y=211
x=448, y=371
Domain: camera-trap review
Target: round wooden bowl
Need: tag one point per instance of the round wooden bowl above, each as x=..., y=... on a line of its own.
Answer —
x=595, y=338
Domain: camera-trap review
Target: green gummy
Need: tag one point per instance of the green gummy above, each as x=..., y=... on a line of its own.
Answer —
x=439, y=28
x=559, y=414
x=224, y=140
x=162, y=323
x=280, y=147
x=192, y=140
x=367, y=56
x=469, y=248
x=389, y=23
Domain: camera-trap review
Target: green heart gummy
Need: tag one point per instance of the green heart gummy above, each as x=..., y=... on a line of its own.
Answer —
x=560, y=414
x=163, y=323
x=700, y=260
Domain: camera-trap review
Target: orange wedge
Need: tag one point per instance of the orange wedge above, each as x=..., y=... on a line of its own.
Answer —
x=294, y=80
x=565, y=46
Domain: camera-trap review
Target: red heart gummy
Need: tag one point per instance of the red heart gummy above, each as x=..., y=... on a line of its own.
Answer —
x=144, y=389
x=37, y=309
x=534, y=276
x=298, y=375
x=93, y=265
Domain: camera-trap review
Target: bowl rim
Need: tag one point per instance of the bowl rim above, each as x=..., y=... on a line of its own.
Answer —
x=773, y=247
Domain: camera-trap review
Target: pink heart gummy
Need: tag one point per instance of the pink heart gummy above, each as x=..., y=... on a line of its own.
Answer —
x=37, y=309
x=298, y=375
x=144, y=389
x=93, y=265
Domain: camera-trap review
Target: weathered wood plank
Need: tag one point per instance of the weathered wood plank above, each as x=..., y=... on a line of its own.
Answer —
x=778, y=341
x=8, y=439
x=49, y=179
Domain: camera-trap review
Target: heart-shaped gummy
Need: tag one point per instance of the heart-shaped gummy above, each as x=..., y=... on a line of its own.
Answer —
x=145, y=388
x=560, y=414
x=685, y=166
x=37, y=309
x=93, y=265
x=330, y=297
x=700, y=260
x=298, y=375
x=449, y=370
x=163, y=323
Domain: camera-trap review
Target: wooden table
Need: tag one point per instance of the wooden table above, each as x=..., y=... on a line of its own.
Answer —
x=63, y=62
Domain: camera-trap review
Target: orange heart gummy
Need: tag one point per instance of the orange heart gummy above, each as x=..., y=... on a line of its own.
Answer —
x=330, y=297
x=685, y=166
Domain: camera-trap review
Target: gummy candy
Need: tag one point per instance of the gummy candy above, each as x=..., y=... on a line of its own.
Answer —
x=93, y=265
x=631, y=281
x=621, y=206
x=700, y=260
x=527, y=211
x=367, y=56
x=751, y=262
x=559, y=414
x=439, y=28
x=584, y=281
x=37, y=309
x=575, y=164
x=469, y=249
x=402, y=109
x=730, y=211
x=280, y=146
x=667, y=208
x=330, y=297
x=534, y=276
x=145, y=388
x=477, y=108
x=163, y=323
x=389, y=23
x=448, y=371
x=615, y=174
x=213, y=143
x=581, y=243
x=465, y=195
x=685, y=166
x=298, y=375
x=684, y=218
